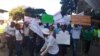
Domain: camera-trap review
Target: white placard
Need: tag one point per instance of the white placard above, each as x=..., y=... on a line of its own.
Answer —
x=63, y=38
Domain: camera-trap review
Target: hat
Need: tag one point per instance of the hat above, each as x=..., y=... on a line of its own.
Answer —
x=46, y=31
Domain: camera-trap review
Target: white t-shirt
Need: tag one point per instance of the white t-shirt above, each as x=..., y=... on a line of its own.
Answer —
x=10, y=31
x=26, y=31
x=51, y=41
x=18, y=35
x=63, y=38
x=76, y=32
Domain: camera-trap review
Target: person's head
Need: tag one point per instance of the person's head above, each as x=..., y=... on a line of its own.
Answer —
x=40, y=24
x=12, y=24
x=58, y=25
x=46, y=32
x=51, y=28
x=63, y=27
x=17, y=26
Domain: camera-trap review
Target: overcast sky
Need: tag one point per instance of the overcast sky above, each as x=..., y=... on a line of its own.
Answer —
x=51, y=6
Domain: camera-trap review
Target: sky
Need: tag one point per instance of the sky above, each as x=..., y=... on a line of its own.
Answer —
x=51, y=6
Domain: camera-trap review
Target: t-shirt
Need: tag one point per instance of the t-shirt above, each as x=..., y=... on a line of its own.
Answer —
x=51, y=41
x=99, y=33
x=95, y=33
x=26, y=31
x=56, y=30
x=63, y=38
x=76, y=33
x=18, y=35
x=10, y=31
x=87, y=34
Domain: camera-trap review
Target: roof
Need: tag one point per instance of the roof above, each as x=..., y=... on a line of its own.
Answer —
x=2, y=11
x=95, y=4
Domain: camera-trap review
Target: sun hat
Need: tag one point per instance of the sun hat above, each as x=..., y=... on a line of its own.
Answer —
x=46, y=31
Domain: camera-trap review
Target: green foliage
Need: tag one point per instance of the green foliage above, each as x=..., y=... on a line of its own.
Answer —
x=17, y=10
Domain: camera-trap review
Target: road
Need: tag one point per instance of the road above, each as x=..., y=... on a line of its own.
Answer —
x=94, y=51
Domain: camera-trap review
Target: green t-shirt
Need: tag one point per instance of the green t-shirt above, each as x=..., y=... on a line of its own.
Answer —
x=95, y=33
x=87, y=34
x=98, y=33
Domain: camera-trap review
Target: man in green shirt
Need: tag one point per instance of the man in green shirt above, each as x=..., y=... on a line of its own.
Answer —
x=95, y=35
x=87, y=35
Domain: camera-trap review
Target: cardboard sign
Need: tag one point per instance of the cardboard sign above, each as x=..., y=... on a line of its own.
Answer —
x=63, y=38
x=81, y=20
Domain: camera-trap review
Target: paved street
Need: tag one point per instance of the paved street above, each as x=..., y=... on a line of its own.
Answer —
x=94, y=51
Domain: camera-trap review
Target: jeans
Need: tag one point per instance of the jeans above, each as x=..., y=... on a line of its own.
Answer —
x=86, y=45
x=62, y=50
x=18, y=48
x=75, y=45
x=31, y=46
x=26, y=42
x=11, y=45
x=52, y=54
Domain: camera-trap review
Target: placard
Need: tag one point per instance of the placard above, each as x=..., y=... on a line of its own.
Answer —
x=63, y=38
x=47, y=19
x=81, y=20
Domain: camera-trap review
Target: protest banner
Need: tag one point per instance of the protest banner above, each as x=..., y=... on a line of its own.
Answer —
x=63, y=38
x=81, y=20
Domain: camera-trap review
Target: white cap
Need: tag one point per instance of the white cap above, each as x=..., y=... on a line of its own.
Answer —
x=46, y=31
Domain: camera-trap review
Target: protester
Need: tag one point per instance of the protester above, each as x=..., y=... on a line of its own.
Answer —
x=50, y=47
x=98, y=35
x=32, y=42
x=87, y=38
x=41, y=25
x=46, y=25
x=95, y=36
x=39, y=43
x=76, y=32
x=63, y=47
x=57, y=29
x=10, y=36
x=19, y=40
x=26, y=35
x=51, y=28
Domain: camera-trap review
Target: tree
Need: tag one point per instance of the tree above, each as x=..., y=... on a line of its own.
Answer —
x=68, y=6
x=17, y=13
x=31, y=12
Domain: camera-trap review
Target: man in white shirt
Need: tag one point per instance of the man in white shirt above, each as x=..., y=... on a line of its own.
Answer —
x=50, y=47
x=10, y=36
x=19, y=39
x=63, y=39
x=26, y=35
x=76, y=32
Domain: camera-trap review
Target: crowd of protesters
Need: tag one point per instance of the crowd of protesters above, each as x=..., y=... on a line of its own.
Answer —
x=19, y=38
